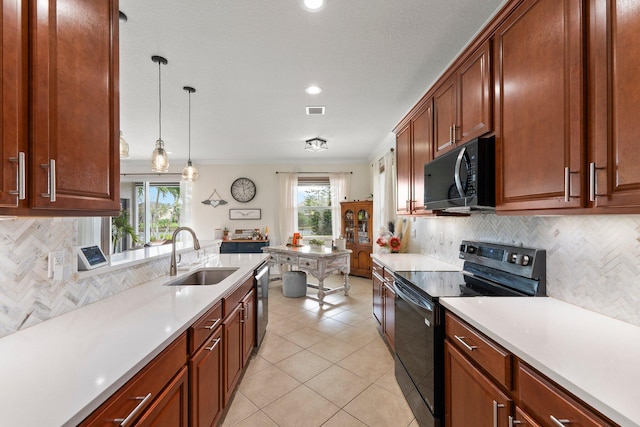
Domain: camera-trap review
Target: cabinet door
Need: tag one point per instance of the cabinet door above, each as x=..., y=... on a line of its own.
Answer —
x=248, y=325
x=471, y=399
x=75, y=105
x=403, y=170
x=539, y=106
x=421, y=150
x=389, y=301
x=475, y=115
x=171, y=408
x=232, y=339
x=444, y=117
x=615, y=94
x=205, y=375
x=13, y=97
x=377, y=292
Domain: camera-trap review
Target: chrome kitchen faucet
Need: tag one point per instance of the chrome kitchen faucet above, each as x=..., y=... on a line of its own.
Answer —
x=173, y=269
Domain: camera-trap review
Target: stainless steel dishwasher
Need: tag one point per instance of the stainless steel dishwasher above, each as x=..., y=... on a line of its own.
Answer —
x=262, y=303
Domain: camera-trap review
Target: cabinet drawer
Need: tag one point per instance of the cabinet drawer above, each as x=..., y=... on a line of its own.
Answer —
x=542, y=399
x=138, y=394
x=287, y=259
x=377, y=269
x=233, y=299
x=204, y=327
x=490, y=357
x=308, y=263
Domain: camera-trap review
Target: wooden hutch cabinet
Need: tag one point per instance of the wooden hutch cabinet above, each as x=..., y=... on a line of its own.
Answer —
x=357, y=220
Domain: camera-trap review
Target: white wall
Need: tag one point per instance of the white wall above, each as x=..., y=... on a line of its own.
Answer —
x=220, y=177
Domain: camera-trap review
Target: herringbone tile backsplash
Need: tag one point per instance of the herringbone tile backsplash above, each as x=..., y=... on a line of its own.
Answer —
x=592, y=261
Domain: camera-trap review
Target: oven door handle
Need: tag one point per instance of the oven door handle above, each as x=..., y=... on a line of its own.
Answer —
x=408, y=298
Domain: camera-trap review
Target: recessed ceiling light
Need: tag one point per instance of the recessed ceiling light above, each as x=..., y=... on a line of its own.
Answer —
x=314, y=5
x=313, y=90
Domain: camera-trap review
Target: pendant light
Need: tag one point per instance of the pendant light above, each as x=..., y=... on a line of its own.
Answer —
x=159, y=158
x=189, y=173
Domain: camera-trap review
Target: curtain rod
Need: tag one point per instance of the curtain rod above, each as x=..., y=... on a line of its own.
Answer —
x=314, y=172
x=150, y=174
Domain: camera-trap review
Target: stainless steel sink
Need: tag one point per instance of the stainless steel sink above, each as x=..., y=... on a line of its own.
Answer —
x=204, y=276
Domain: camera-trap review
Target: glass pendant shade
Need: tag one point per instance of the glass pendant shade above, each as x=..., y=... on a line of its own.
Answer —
x=159, y=159
x=189, y=173
x=124, y=147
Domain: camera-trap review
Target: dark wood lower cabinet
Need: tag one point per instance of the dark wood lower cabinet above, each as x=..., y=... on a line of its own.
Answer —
x=171, y=408
x=389, y=304
x=205, y=376
x=377, y=291
x=248, y=326
x=232, y=336
x=471, y=398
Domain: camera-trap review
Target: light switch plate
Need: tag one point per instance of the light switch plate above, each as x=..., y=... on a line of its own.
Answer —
x=56, y=262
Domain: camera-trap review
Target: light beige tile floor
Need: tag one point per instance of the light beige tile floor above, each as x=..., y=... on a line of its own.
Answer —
x=321, y=366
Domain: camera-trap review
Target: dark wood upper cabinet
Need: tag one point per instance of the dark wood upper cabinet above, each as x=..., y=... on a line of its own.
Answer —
x=614, y=91
x=475, y=101
x=444, y=116
x=74, y=104
x=422, y=153
x=462, y=107
x=403, y=170
x=13, y=92
x=539, y=106
x=62, y=111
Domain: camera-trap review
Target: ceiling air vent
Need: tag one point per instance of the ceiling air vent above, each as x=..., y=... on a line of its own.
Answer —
x=315, y=111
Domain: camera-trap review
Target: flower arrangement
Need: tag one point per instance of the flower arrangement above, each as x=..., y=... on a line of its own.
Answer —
x=389, y=242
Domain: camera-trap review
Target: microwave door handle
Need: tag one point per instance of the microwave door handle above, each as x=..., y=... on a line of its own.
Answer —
x=456, y=175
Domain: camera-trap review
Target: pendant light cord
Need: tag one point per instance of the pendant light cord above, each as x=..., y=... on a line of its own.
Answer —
x=189, y=127
x=159, y=100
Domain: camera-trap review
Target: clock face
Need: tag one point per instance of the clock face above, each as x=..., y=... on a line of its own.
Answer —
x=243, y=190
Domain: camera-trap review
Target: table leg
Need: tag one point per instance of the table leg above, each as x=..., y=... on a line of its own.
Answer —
x=321, y=291
x=346, y=284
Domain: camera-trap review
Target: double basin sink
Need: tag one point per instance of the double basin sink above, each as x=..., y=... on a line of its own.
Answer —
x=203, y=277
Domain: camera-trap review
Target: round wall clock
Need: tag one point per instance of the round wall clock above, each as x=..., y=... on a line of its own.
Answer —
x=243, y=190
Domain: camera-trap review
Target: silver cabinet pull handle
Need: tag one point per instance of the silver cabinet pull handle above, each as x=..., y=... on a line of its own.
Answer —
x=20, y=176
x=243, y=318
x=513, y=421
x=567, y=184
x=143, y=400
x=468, y=347
x=51, y=195
x=450, y=135
x=453, y=140
x=215, y=323
x=559, y=423
x=592, y=181
x=215, y=343
x=496, y=406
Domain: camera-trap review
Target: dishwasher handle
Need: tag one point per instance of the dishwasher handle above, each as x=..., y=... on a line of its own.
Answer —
x=422, y=303
x=262, y=272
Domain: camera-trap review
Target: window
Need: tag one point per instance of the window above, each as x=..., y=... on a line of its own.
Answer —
x=157, y=211
x=314, y=206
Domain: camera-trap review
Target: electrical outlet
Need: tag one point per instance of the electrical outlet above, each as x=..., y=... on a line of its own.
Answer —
x=56, y=262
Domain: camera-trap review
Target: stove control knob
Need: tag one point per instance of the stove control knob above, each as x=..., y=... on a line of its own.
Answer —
x=468, y=249
x=526, y=259
x=520, y=259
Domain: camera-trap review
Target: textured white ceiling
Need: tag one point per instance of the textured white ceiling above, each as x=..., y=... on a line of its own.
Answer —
x=250, y=60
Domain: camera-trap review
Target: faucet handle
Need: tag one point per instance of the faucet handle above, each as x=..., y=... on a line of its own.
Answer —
x=196, y=243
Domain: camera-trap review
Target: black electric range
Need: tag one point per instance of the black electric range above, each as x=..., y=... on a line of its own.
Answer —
x=489, y=270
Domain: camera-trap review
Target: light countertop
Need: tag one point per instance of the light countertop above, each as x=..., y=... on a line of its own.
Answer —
x=593, y=356
x=67, y=366
x=413, y=262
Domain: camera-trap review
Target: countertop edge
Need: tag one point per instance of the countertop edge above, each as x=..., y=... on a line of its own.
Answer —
x=532, y=360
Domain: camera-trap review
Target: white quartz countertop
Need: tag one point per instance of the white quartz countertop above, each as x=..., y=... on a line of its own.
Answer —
x=413, y=262
x=57, y=372
x=595, y=357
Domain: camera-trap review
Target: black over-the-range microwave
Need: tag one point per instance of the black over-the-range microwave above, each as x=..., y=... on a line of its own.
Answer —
x=462, y=180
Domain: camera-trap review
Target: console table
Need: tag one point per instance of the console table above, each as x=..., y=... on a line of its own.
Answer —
x=319, y=262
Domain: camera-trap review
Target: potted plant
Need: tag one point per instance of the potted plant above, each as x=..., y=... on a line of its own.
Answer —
x=120, y=229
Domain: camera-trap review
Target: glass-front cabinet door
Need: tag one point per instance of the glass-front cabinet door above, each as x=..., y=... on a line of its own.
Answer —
x=363, y=227
x=349, y=226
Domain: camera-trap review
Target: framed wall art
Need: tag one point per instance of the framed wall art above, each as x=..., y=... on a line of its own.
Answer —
x=245, y=213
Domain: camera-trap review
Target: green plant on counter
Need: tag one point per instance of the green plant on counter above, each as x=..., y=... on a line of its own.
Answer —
x=316, y=242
